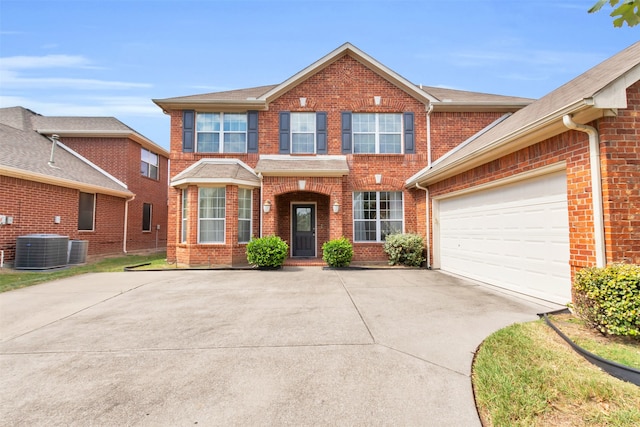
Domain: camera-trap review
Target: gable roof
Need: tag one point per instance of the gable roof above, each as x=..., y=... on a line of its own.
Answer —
x=593, y=94
x=26, y=154
x=217, y=171
x=258, y=98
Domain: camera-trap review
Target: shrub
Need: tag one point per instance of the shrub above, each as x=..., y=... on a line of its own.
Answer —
x=608, y=298
x=404, y=249
x=268, y=251
x=337, y=252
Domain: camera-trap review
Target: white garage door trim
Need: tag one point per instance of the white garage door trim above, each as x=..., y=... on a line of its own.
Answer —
x=512, y=233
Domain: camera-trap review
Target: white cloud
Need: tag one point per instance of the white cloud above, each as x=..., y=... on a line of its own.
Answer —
x=103, y=106
x=47, y=61
x=11, y=75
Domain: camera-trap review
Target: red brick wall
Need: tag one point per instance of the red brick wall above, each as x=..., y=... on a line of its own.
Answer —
x=29, y=203
x=620, y=151
x=449, y=129
x=345, y=85
x=120, y=157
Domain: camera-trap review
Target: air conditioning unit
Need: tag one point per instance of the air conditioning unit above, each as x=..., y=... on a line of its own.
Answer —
x=78, y=251
x=41, y=251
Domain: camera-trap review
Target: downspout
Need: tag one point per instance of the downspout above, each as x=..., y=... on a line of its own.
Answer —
x=426, y=222
x=596, y=185
x=126, y=218
x=261, y=203
x=429, y=110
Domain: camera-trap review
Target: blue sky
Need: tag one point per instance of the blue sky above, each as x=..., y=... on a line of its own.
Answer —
x=111, y=57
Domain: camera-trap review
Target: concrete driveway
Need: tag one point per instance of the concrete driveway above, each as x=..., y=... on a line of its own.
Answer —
x=300, y=346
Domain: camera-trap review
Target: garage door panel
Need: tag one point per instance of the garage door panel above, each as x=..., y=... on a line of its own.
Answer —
x=515, y=236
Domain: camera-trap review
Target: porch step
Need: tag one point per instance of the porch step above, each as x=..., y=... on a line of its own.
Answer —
x=304, y=262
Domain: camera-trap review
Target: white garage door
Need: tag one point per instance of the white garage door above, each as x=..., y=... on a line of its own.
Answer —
x=514, y=236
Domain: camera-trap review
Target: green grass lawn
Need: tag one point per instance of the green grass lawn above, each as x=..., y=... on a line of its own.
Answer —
x=526, y=375
x=15, y=279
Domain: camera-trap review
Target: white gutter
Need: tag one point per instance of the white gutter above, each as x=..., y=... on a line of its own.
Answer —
x=596, y=185
x=126, y=217
x=426, y=222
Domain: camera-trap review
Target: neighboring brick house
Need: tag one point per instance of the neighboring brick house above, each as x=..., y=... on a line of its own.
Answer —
x=550, y=190
x=95, y=185
x=322, y=155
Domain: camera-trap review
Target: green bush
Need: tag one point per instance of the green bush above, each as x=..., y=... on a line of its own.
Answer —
x=405, y=249
x=608, y=298
x=269, y=251
x=337, y=252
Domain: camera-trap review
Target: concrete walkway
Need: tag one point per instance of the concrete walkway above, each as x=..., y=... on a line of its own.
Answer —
x=300, y=346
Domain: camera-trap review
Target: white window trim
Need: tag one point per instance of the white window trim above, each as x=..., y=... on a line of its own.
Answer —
x=221, y=134
x=224, y=220
x=150, y=218
x=250, y=214
x=377, y=134
x=184, y=209
x=314, y=132
x=157, y=166
x=378, y=219
x=93, y=215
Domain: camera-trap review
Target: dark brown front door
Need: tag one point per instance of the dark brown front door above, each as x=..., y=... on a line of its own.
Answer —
x=304, y=230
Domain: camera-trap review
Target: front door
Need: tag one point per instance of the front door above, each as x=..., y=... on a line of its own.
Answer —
x=304, y=230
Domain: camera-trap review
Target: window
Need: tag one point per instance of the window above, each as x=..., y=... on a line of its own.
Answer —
x=86, y=211
x=376, y=214
x=377, y=133
x=211, y=205
x=149, y=164
x=185, y=199
x=146, y=216
x=221, y=133
x=303, y=133
x=244, y=215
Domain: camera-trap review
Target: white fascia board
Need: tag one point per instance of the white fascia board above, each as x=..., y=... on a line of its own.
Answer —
x=362, y=57
x=62, y=182
x=203, y=182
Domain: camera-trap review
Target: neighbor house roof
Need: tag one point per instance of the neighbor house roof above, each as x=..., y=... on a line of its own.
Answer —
x=594, y=94
x=258, y=98
x=285, y=165
x=27, y=155
x=217, y=171
x=106, y=127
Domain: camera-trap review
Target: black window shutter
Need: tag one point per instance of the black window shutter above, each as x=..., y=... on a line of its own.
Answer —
x=188, y=130
x=409, y=144
x=321, y=133
x=252, y=132
x=285, y=132
x=346, y=132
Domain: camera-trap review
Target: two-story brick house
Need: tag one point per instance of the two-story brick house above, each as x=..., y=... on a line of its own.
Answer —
x=322, y=155
x=88, y=178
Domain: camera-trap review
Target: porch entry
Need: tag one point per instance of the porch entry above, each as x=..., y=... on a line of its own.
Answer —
x=303, y=230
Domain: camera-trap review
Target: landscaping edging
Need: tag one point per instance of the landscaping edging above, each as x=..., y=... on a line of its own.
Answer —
x=623, y=372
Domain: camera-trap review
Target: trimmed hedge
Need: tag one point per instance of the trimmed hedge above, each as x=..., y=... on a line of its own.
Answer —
x=608, y=298
x=337, y=252
x=404, y=249
x=268, y=251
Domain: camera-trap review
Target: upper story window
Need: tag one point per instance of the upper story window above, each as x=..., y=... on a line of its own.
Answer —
x=377, y=133
x=221, y=133
x=149, y=164
x=303, y=133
